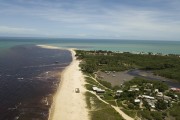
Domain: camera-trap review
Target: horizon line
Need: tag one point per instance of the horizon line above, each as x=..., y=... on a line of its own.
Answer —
x=115, y=39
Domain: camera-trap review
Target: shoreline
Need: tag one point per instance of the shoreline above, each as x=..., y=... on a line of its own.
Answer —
x=67, y=104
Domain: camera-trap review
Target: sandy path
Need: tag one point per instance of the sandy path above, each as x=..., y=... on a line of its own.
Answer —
x=69, y=105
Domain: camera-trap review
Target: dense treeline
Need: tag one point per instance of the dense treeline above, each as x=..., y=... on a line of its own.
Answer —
x=167, y=65
x=142, y=84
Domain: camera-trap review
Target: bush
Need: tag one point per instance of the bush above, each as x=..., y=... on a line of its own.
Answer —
x=161, y=105
x=106, y=84
x=131, y=106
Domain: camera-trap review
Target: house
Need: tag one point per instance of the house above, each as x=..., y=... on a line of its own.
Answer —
x=98, y=90
x=94, y=88
x=134, y=89
x=156, y=90
x=159, y=94
x=118, y=93
x=151, y=103
x=176, y=96
x=137, y=100
x=134, y=86
x=167, y=98
x=148, y=97
x=175, y=89
x=130, y=90
x=147, y=90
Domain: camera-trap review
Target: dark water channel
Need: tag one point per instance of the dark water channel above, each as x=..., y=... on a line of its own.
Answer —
x=150, y=76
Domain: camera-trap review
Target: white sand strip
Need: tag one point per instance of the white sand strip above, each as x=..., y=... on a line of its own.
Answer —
x=67, y=104
x=48, y=47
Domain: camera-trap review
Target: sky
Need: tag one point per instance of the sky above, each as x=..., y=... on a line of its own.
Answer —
x=102, y=19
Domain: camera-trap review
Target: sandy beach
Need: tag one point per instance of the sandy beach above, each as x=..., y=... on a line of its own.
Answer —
x=67, y=104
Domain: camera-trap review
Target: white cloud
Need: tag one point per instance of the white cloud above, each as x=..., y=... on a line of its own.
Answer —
x=92, y=20
x=17, y=30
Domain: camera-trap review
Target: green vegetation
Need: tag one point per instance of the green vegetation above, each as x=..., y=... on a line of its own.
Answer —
x=100, y=110
x=91, y=82
x=151, y=115
x=88, y=86
x=138, y=88
x=175, y=111
x=161, y=105
x=142, y=84
x=131, y=113
x=106, y=84
x=167, y=66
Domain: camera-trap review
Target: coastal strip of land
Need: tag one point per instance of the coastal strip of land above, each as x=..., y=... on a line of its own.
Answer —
x=69, y=104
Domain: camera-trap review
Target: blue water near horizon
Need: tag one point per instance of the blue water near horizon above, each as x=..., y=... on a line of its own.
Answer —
x=135, y=46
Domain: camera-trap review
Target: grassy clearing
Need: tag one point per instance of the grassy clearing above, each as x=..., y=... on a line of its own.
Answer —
x=151, y=115
x=100, y=110
x=91, y=81
x=88, y=86
x=112, y=102
x=131, y=113
x=120, y=104
x=105, y=83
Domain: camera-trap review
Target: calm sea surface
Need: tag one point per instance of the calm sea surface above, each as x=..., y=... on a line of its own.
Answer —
x=165, y=47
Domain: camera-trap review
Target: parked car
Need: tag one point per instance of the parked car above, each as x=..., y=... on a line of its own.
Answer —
x=77, y=90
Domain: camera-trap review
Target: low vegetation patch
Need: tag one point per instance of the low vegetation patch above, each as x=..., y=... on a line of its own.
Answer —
x=152, y=115
x=175, y=111
x=100, y=110
x=131, y=113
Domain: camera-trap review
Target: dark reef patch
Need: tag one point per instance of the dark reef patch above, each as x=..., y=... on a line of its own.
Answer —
x=29, y=77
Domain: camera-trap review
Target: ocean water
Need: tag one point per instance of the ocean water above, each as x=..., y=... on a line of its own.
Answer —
x=29, y=76
x=136, y=46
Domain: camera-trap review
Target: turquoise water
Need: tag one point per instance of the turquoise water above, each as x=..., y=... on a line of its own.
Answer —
x=165, y=47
